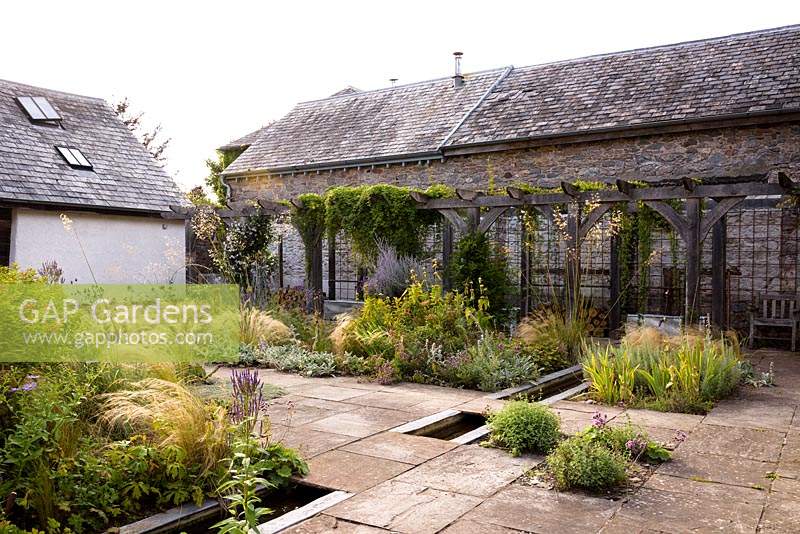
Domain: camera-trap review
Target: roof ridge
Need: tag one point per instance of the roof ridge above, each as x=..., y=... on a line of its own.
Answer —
x=765, y=31
x=401, y=86
x=56, y=91
x=486, y=93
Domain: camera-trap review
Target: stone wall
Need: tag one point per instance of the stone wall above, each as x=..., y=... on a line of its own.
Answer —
x=729, y=151
x=721, y=152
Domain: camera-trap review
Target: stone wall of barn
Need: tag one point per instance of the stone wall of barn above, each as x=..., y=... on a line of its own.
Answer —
x=708, y=153
x=729, y=151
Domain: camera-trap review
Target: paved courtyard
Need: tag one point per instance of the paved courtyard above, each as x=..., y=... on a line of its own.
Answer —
x=737, y=471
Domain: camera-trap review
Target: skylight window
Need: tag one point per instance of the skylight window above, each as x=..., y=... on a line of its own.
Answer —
x=74, y=157
x=38, y=108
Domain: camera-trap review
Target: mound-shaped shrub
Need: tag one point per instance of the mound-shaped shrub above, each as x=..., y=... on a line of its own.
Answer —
x=524, y=427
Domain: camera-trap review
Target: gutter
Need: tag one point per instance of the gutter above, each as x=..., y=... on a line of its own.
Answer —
x=418, y=158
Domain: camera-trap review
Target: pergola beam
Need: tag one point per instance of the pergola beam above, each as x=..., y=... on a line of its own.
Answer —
x=643, y=194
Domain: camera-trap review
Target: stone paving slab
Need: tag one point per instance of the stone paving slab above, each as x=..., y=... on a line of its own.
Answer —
x=292, y=414
x=711, y=490
x=539, y=510
x=308, y=442
x=722, y=469
x=351, y=472
x=753, y=443
x=361, y=422
x=470, y=469
x=324, y=524
x=331, y=406
x=674, y=421
x=389, y=400
x=782, y=514
x=331, y=393
x=626, y=525
x=438, y=391
x=573, y=421
x=791, y=450
x=466, y=526
x=277, y=378
x=401, y=447
x=683, y=512
x=749, y=414
x=787, y=486
x=590, y=408
x=355, y=382
x=431, y=406
x=403, y=507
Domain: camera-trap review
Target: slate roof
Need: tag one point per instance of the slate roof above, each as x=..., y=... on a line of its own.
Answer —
x=244, y=141
x=124, y=176
x=735, y=75
x=744, y=74
x=387, y=123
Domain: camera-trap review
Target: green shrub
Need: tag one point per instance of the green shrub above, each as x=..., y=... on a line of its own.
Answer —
x=480, y=270
x=416, y=333
x=583, y=463
x=294, y=358
x=524, y=427
x=491, y=364
x=627, y=440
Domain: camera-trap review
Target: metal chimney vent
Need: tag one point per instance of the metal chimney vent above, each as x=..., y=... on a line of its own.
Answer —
x=458, y=79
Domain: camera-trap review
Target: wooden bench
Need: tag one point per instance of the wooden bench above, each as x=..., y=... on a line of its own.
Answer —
x=779, y=310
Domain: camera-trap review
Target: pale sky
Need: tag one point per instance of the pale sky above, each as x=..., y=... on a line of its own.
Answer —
x=210, y=72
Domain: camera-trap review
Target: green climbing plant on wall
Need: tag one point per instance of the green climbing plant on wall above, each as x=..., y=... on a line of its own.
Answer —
x=308, y=217
x=387, y=213
x=366, y=215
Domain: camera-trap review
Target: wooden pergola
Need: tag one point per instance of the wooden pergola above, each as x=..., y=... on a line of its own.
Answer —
x=474, y=211
x=706, y=204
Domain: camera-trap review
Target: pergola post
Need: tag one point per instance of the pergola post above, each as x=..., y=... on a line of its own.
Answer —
x=332, y=268
x=315, y=278
x=280, y=261
x=614, y=290
x=524, y=274
x=447, y=252
x=573, y=258
x=719, y=261
x=473, y=219
x=693, y=256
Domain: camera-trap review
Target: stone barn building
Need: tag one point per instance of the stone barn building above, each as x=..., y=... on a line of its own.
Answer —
x=720, y=107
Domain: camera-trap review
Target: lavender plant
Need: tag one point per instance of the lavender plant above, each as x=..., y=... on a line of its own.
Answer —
x=395, y=272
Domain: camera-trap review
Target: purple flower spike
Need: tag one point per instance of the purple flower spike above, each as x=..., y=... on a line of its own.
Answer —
x=27, y=386
x=248, y=397
x=32, y=377
x=599, y=420
x=13, y=390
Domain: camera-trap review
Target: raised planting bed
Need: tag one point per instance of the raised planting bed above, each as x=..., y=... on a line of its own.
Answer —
x=289, y=506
